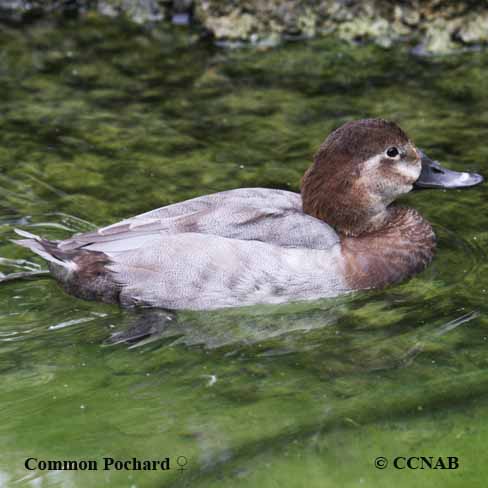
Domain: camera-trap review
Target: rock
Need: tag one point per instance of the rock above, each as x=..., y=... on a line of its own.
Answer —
x=440, y=25
x=139, y=11
x=438, y=37
x=232, y=27
x=474, y=28
x=436, y=26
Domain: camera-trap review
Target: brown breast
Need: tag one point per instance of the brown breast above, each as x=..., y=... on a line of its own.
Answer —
x=402, y=247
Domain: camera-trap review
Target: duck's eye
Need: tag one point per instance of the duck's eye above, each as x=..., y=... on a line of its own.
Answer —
x=392, y=152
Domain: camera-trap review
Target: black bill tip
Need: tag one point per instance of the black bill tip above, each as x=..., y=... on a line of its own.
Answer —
x=433, y=175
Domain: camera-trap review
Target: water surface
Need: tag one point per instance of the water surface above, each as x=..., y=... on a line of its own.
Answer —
x=100, y=121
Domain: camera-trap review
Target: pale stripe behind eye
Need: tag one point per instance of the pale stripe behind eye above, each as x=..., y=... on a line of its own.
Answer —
x=410, y=171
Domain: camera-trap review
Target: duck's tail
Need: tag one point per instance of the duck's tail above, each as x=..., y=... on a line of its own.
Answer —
x=83, y=273
x=48, y=250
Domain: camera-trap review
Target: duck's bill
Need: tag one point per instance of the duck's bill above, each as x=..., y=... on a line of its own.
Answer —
x=433, y=175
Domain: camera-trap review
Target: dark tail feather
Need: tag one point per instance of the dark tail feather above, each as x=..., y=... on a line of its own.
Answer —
x=48, y=250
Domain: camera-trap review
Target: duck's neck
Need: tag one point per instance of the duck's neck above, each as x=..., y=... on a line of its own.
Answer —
x=344, y=205
x=401, y=244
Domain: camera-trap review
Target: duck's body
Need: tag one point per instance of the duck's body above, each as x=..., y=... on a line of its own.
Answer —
x=234, y=248
x=250, y=246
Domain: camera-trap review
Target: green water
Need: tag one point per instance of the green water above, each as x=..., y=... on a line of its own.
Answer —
x=102, y=121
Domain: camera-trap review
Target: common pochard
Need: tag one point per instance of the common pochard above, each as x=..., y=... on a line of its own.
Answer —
x=256, y=245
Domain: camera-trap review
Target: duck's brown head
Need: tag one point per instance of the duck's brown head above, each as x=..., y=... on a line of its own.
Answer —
x=361, y=168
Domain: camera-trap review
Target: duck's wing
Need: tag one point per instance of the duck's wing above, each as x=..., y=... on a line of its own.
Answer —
x=272, y=216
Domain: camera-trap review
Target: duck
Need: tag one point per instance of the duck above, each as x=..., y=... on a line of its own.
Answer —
x=248, y=246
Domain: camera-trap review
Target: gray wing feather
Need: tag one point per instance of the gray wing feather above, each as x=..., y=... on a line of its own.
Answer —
x=273, y=216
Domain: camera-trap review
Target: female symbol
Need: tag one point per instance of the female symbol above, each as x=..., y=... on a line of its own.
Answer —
x=181, y=461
